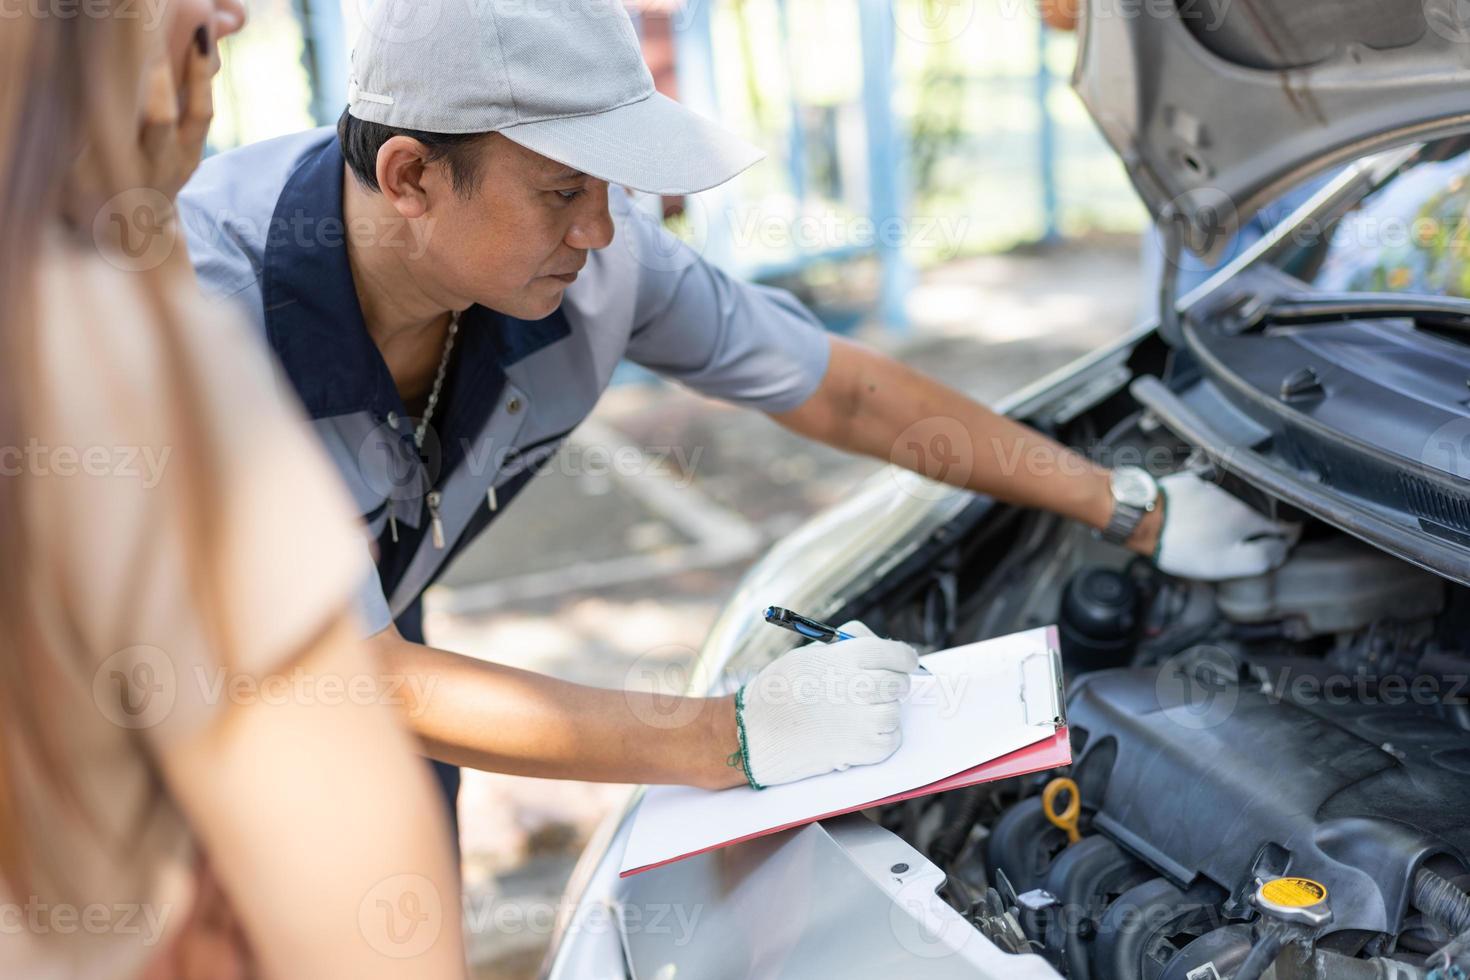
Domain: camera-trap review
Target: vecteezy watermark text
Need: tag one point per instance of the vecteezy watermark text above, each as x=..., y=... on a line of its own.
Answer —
x=300, y=686
x=150, y=11
x=38, y=918
x=140, y=686
x=38, y=459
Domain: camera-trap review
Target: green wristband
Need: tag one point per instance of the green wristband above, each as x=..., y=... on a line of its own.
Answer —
x=744, y=752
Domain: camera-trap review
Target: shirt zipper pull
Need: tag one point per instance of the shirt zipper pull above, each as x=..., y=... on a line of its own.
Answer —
x=436, y=525
x=393, y=527
x=491, y=499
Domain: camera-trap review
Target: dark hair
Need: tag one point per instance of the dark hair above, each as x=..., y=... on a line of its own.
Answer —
x=361, y=141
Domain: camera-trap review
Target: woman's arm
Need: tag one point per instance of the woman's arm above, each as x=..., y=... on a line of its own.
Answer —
x=322, y=825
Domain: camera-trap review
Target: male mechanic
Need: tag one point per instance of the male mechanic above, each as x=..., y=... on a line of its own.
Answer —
x=449, y=281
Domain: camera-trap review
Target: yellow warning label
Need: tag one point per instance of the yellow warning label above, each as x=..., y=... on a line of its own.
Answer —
x=1293, y=893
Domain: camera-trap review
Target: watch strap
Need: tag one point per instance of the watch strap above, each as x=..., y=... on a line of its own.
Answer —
x=1123, y=523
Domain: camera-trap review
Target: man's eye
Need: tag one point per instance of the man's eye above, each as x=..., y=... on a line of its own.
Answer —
x=569, y=195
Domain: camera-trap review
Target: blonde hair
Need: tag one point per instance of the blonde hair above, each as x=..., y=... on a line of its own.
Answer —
x=70, y=91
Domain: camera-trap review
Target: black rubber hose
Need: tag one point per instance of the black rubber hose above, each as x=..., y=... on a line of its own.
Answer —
x=951, y=839
x=1262, y=955
x=1441, y=900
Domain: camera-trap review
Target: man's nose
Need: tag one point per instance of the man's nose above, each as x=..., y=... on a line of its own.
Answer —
x=593, y=225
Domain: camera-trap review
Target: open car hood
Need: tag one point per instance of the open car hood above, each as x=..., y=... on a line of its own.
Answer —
x=1219, y=106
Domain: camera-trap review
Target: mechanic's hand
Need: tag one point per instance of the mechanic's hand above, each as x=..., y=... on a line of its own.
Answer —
x=825, y=706
x=1209, y=534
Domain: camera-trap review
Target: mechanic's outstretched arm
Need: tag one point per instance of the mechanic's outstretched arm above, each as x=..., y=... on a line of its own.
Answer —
x=816, y=709
x=871, y=404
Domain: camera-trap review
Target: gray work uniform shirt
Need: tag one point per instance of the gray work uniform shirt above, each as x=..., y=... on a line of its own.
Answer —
x=265, y=229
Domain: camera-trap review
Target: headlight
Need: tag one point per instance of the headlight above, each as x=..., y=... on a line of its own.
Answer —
x=822, y=565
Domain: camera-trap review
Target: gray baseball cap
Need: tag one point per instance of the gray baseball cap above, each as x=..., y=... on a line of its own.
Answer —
x=563, y=78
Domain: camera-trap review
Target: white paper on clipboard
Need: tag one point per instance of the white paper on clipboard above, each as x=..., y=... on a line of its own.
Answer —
x=979, y=702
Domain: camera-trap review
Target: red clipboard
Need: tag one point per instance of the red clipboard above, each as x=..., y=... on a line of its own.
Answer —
x=1049, y=753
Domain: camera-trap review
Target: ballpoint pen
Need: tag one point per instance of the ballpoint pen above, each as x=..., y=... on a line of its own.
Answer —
x=804, y=625
x=811, y=628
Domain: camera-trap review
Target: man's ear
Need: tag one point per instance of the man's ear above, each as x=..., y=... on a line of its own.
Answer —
x=403, y=175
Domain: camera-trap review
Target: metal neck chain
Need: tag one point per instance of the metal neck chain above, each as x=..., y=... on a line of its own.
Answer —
x=423, y=428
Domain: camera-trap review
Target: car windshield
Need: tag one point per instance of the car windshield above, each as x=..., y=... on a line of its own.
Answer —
x=1410, y=236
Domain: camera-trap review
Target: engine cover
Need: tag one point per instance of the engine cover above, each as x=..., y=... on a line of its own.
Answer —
x=1351, y=793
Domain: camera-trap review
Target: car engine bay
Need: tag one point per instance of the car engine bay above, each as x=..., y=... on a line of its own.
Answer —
x=1312, y=722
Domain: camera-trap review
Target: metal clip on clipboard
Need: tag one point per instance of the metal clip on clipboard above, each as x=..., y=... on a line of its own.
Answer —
x=1042, y=694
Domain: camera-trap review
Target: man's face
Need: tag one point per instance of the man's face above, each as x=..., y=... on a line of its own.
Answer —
x=518, y=241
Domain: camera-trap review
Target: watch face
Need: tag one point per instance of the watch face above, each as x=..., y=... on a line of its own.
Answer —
x=1134, y=487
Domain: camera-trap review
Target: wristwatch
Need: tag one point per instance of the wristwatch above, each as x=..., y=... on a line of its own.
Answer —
x=1135, y=493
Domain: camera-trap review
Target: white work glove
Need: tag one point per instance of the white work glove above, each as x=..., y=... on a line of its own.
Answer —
x=824, y=706
x=1209, y=534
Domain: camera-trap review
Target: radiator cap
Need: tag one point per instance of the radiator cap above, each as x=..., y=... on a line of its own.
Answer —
x=1300, y=901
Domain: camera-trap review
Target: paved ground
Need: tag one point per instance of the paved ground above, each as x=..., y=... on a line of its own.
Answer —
x=625, y=548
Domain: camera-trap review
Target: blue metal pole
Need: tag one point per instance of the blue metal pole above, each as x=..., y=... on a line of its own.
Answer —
x=796, y=140
x=1046, y=131
x=887, y=161
x=694, y=67
x=325, y=56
